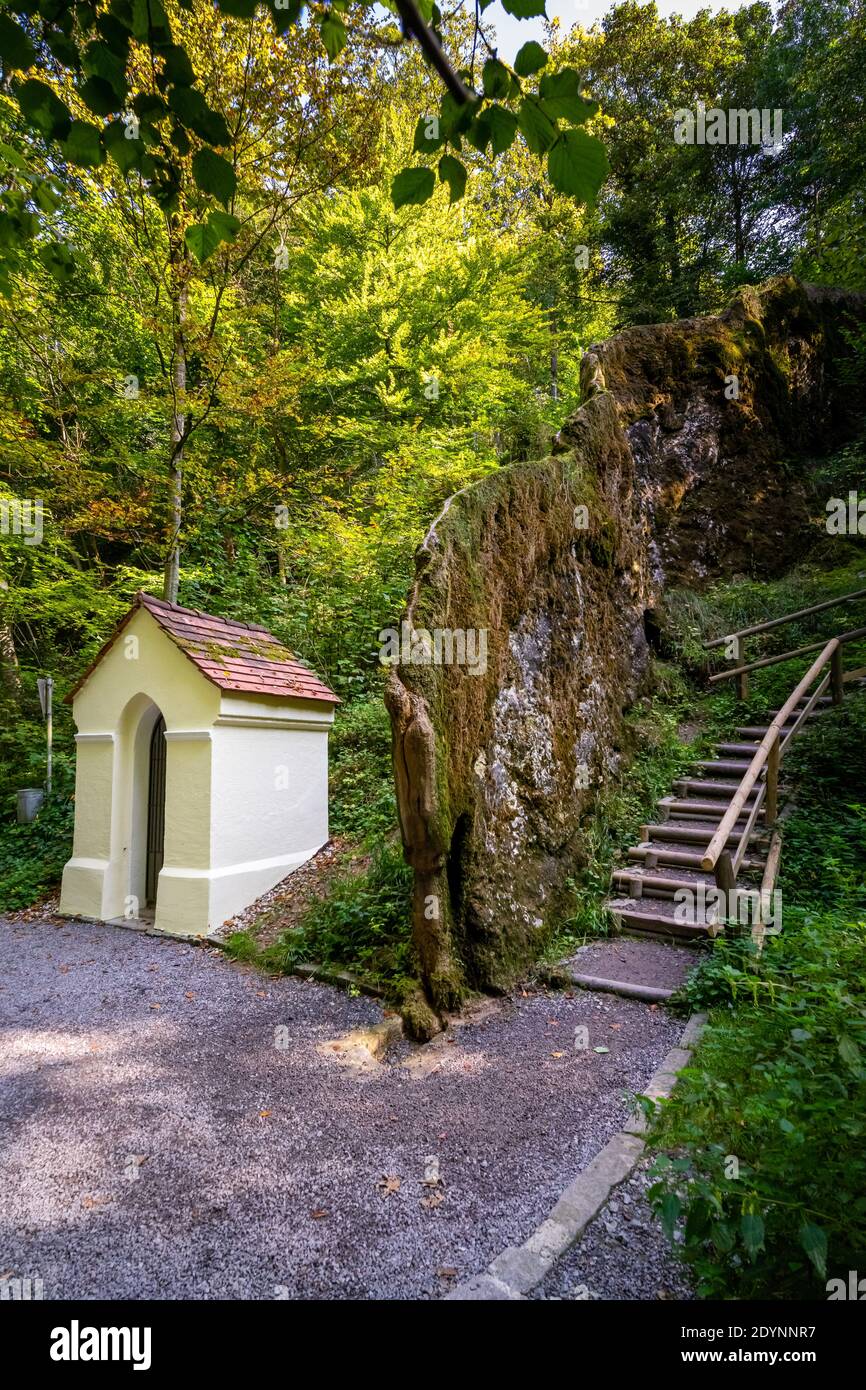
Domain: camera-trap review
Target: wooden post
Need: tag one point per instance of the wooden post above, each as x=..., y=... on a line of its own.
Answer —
x=836, y=677
x=743, y=686
x=725, y=878
x=771, y=804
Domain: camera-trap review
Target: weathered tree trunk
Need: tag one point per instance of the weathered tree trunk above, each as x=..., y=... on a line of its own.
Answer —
x=10, y=679
x=178, y=425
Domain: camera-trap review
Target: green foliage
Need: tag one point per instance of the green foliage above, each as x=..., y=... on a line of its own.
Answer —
x=362, y=803
x=779, y=1080
x=32, y=856
x=363, y=925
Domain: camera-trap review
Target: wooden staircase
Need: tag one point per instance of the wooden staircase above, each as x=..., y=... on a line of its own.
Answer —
x=668, y=858
x=722, y=819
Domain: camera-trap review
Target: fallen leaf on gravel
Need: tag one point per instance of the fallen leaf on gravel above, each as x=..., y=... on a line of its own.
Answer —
x=389, y=1183
x=156, y=1006
x=553, y=1023
x=261, y=994
x=318, y=1213
x=434, y=1200
x=189, y=995
x=616, y=1025
x=601, y=1049
x=263, y=1114
x=557, y=1054
x=89, y=1202
x=447, y=1272
x=64, y=969
x=431, y=1171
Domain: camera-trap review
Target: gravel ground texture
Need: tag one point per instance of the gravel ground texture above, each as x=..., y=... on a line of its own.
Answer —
x=174, y=1125
x=622, y=1254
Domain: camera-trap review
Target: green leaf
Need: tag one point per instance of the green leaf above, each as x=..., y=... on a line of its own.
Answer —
x=524, y=9
x=224, y=224
x=577, y=165
x=814, y=1241
x=127, y=154
x=99, y=96
x=238, y=9
x=669, y=1211
x=752, y=1231
x=424, y=144
x=16, y=49
x=42, y=108
x=536, y=127
x=412, y=186
x=334, y=36
x=496, y=126
x=531, y=58
x=214, y=175
x=496, y=78
x=98, y=60
x=849, y=1051
x=202, y=240
x=560, y=97
x=452, y=172
x=190, y=106
x=723, y=1237
x=284, y=18
x=83, y=146
x=177, y=65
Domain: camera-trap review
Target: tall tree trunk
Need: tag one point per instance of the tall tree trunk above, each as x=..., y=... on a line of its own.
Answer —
x=10, y=678
x=171, y=579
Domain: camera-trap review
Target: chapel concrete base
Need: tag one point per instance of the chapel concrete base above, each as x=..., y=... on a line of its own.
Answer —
x=189, y=902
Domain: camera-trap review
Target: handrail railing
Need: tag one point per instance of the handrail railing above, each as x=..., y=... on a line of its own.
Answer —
x=769, y=753
x=852, y=636
x=788, y=618
x=740, y=672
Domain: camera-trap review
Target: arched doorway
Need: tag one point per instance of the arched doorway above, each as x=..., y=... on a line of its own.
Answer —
x=155, y=812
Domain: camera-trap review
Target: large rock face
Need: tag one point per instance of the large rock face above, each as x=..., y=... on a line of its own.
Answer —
x=667, y=472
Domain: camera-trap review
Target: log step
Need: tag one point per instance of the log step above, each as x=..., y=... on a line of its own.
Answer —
x=707, y=787
x=656, y=917
x=689, y=832
x=655, y=851
x=746, y=750
x=693, y=807
x=729, y=766
x=642, y=883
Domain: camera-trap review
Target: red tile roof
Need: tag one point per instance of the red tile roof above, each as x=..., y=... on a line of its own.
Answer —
x=233, y=655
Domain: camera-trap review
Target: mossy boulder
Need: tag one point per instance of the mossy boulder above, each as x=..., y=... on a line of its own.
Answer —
x=663, y=475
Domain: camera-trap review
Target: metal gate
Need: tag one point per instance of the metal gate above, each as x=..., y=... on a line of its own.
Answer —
x=155, y=810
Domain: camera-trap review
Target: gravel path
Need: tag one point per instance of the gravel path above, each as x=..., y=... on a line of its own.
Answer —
x=160, y=1138
x=622, y=1254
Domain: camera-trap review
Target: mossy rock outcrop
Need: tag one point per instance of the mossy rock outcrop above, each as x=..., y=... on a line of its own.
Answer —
x=665, y=474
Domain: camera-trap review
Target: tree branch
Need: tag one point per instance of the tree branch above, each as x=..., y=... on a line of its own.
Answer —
x=413, y=24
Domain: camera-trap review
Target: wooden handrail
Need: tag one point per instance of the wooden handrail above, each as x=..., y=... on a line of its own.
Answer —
x=772, y=739
x=788, y=618
x=732, y=671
